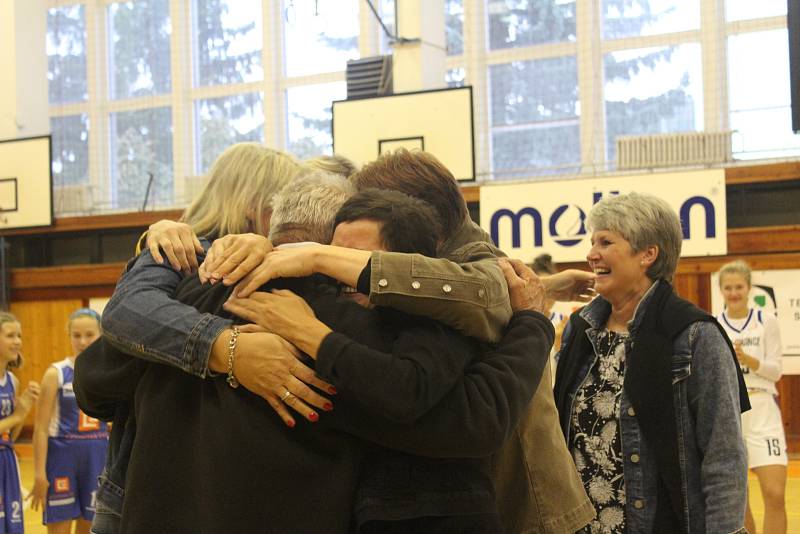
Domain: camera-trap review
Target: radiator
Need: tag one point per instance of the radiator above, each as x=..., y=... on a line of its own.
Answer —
x=668, y=150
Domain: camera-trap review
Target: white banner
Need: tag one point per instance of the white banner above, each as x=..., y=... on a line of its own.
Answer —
x=777, y=292
x=526, y=220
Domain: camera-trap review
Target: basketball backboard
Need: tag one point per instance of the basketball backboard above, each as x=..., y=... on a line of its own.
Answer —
x=26, y=186
x=437, y=121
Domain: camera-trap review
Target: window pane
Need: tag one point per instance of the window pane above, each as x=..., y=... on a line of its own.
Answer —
x=760, y=103
x=141, y=144
x=139, y=48
x=749, y=9
x=225, y=121
x=534, y=116
x=515, y=23
x=387, y=9
x=228, y=40
x=66, y=54
x=455, y=77
x=70, y=149
x=632, y=18
x=320, y=36
x=537, y=151
x=309, y=113
x=454, y=26
x=652, y=91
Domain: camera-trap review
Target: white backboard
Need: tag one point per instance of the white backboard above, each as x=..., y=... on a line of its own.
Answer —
x=438, y=121
x=26, y=186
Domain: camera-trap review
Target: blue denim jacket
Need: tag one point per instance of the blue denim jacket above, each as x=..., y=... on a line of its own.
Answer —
x=712, y=452
x=143, y=320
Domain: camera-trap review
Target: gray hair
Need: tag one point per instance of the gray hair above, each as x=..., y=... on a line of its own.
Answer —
x=305, y=208
x=643, y=220
x=735, y=267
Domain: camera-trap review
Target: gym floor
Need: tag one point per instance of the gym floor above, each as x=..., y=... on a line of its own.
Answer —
x=33, y=520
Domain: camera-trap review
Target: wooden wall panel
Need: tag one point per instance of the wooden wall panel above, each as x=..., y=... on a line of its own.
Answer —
x=44, y=336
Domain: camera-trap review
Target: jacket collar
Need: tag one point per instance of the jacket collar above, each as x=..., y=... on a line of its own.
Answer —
x=469, y=232
x=596, y=312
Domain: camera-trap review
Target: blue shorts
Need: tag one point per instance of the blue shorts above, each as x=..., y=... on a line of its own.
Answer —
x=72, y=469
x=10, y=496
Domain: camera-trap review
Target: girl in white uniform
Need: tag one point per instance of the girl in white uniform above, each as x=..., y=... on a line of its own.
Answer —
x=757, y=340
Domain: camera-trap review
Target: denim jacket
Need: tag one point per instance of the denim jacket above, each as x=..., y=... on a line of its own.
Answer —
x=142, y=319
x=711, y=449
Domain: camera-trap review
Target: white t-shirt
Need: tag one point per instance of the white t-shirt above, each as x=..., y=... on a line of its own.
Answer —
x=760, y=339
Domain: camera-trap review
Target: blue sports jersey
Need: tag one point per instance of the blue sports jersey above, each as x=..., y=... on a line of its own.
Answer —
x=68, y=421
x=7, y=395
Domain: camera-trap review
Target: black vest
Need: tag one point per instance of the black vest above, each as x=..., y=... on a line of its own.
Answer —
x=648, y=385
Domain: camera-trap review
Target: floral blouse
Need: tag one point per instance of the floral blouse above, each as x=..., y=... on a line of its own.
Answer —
x=596, y=445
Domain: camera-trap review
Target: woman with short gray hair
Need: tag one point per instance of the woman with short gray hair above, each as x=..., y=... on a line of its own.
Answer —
x=648, y=390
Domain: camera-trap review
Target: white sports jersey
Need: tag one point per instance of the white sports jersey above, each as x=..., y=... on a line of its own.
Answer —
x=760, y=338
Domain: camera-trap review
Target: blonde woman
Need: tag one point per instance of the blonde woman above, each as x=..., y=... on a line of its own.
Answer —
x=757, y=340
x=143, y=320
x=237, y=199
x=13, y=411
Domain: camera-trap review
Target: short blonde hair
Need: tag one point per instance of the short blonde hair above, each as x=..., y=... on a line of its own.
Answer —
x=735, y=267
x=242, y=182
x=8, y=317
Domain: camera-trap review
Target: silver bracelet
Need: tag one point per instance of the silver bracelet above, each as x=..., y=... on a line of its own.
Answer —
x=232, y=382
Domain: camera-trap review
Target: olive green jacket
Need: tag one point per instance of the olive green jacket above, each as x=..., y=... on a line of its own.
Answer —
x=538, y=488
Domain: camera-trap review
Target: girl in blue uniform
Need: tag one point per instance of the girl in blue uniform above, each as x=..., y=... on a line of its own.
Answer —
x=69, y=447
x=13, y=411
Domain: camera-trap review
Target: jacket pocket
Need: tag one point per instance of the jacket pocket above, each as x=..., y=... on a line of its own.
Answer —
x=681, y=367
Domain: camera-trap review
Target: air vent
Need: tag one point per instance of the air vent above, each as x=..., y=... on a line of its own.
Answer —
x=369, y=77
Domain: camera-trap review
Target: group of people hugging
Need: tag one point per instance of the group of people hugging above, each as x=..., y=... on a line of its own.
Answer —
x=316, y=348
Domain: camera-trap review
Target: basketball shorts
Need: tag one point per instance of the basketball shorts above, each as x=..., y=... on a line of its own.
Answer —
x=10, y=495
x=763, y=433
x=72, y=470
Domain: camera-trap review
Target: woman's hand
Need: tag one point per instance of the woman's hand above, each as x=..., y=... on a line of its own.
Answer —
x=525, y=290
x=291, y=262
x=285, y=314
x=38, y=494
x=268, y=366
x=232, y=257
x=570, y=285
x=178, y=242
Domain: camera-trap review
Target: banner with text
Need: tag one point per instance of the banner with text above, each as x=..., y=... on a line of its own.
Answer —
x=776, y=292
x=526, y=220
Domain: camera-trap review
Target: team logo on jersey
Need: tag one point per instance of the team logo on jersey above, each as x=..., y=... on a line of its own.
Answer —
x=86, y=423
x=61, y=484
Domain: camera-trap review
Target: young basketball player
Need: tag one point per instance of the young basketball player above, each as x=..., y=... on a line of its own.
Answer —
x=13, y=411
x=757, y=340
x=68, y=446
